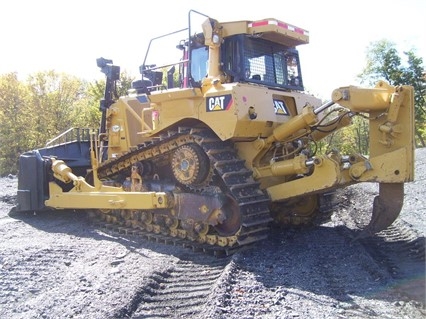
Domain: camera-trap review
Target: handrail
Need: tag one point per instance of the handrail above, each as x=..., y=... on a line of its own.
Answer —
x=72, y=134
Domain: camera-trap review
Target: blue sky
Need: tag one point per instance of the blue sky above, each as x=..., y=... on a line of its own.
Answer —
x=68, y=36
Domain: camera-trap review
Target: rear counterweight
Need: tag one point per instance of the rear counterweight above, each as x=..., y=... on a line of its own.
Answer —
x=33, y=187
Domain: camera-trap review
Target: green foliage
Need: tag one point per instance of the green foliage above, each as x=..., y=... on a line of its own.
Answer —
x=415, y=75
x=176, y=78
x=124, y=84
x=56, y=100
x=384, y=63
x=16, y=117
x=34, y=111
x=348, y=140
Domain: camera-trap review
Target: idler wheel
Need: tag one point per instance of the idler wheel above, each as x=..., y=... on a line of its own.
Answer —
x=296, y=211
x=190, y=165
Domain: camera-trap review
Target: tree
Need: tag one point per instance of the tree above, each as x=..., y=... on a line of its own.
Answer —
x=348, y=140
x=16, y=125
x=383, y=62
x=55, y=99
x=95, y=92
x=124, y=84
x=44, y=106
x=416, y=76
x=35, y=111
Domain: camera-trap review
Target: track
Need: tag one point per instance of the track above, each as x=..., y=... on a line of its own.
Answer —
x=167, y=240
x=37, y=263
x=249, y=219
x=54, y=265
x=312, y=273
x=401, y=251
x=180, y=292
x=398, y=239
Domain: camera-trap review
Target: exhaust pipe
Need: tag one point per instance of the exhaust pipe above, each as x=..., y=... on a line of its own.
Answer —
x=386, y=208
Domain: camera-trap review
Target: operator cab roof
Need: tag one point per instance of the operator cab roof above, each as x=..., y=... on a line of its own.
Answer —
x=270, y=29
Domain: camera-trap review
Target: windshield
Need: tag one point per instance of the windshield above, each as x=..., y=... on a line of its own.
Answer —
x=199, y=61
x=256, y=60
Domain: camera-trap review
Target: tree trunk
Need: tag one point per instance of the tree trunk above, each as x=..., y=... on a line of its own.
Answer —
x=420, y=137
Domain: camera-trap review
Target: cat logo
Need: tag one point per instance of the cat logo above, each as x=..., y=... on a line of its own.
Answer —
x=219, y=103
x=280, y=107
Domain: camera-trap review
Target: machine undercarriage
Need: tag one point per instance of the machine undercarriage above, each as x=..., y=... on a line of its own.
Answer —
x=213, y=197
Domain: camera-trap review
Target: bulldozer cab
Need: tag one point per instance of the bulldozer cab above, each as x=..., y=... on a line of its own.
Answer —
x=246, y=54
x=252, y=59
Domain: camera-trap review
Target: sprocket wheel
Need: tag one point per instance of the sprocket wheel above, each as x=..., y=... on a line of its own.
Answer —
x=190, y=165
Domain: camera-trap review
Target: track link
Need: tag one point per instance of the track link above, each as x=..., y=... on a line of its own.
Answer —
x=252, y=201
x=228, y=175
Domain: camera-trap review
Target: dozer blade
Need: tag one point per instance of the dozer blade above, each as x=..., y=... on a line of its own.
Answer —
x=386, y=208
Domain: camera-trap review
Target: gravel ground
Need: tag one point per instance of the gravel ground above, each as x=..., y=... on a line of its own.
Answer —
x=57, y=265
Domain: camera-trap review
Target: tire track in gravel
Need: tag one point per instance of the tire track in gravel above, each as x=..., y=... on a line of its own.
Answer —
x=27, y=270
x=30, y=263
x=315, y=273
x=401, y=251
x=182, y=291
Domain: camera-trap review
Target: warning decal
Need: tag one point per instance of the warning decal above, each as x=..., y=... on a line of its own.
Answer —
x=219, y=103
x=280, y=107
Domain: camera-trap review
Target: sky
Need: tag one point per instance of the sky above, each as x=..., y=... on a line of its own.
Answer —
x=68, y=36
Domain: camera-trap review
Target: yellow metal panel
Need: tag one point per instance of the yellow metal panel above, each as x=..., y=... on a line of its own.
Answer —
x=401, y=135
x=325, y=176
x=390, y=167
x=174, y=95
x=235, y=27
x=233, y=120
x=105, y=200
x=279, y=31
x=270, y=28
x=219, y=112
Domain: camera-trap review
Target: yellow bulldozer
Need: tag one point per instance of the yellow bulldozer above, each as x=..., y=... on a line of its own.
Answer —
x=217, y=142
